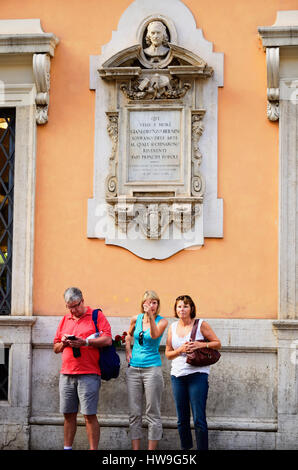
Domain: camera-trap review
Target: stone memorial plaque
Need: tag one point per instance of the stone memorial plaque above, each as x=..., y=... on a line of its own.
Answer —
x=152, y=168
x=154, y=147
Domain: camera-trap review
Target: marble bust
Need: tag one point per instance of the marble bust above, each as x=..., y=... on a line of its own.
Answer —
x=157, y=39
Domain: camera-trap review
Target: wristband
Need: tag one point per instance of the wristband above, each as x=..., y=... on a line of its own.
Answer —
x=87, y=342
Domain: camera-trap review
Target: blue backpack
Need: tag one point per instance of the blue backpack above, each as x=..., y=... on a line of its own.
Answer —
x=109, y=361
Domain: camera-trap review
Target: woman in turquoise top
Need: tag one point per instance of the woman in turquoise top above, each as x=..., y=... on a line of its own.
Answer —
x=144, y=373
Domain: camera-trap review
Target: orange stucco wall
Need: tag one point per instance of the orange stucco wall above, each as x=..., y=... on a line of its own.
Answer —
x=233, y=277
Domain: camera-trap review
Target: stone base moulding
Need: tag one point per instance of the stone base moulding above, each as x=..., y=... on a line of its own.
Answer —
x=16, y=334
x=252, y=400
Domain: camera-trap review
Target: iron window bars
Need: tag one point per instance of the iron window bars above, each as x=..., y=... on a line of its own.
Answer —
x=7, y=153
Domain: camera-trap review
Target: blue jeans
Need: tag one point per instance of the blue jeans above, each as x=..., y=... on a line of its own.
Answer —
x=191, y=390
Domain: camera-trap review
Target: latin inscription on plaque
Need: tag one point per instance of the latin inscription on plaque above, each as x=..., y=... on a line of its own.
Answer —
x=154, y=149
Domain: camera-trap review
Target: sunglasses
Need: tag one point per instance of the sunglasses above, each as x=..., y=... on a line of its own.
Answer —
x=141, y=338
x=74, y=306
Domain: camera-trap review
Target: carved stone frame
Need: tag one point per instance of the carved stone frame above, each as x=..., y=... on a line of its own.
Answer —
x=25, y=40
x=281, y=44
x=109, y=66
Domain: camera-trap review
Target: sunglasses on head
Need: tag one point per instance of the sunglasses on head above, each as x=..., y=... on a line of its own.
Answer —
x=141, y=338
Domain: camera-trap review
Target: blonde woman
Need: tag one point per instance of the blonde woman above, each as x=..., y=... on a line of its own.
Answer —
x=144, y=375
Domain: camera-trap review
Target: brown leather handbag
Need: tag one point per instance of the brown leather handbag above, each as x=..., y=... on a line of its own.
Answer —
x=202, y=356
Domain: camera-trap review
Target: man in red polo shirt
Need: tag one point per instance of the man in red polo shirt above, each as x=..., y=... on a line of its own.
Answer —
x=80, y=373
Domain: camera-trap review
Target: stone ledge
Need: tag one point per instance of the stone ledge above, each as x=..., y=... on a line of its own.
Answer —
x=285, y=324
x=217, y=423
x=11, y=320
x=245, y=334
x=232, y=349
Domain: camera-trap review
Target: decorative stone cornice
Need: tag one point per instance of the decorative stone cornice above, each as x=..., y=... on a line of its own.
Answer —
x=283, y=33
x=28, y=43
x=273, y=36
x=20, y=37
x=25, y=37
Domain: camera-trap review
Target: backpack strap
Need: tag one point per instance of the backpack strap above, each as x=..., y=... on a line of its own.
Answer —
x=95, y=316
x=194, y=330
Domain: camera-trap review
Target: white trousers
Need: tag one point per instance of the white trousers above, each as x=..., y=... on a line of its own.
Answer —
x=148, y=381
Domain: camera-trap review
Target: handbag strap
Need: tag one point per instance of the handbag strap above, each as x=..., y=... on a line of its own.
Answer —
x=194, y=330
x=94, y=317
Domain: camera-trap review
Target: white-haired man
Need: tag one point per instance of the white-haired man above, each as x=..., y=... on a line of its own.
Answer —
x=80, y=379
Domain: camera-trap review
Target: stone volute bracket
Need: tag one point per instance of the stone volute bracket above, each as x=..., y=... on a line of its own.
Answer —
x=41, y=72
x=272, y=58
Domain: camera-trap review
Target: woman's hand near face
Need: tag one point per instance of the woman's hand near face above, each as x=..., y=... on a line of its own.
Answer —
x=150, y=307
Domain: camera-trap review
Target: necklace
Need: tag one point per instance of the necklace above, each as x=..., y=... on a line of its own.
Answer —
x=185, y=328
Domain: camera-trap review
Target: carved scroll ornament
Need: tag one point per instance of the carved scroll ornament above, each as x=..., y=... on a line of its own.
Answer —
x=155, y=87
x=154, y=218
x=197, y=180
x=111, y=181
x=272, y=57
x=41, y=72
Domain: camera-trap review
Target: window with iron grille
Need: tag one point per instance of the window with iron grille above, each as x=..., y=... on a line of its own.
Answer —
x=7, y=150
x=4, y=366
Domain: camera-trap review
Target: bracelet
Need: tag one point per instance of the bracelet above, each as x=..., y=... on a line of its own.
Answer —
x=87, y=342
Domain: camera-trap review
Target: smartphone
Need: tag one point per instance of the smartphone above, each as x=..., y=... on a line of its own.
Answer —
x=71, y=337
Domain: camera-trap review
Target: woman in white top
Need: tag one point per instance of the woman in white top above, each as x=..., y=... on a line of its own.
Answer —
x=189, y=383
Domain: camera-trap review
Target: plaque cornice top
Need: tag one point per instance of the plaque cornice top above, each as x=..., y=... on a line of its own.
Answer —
x=117, y=65
x=126, y=73
x=112, y=73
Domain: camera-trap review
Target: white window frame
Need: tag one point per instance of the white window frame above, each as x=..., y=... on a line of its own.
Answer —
x=24, y=41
